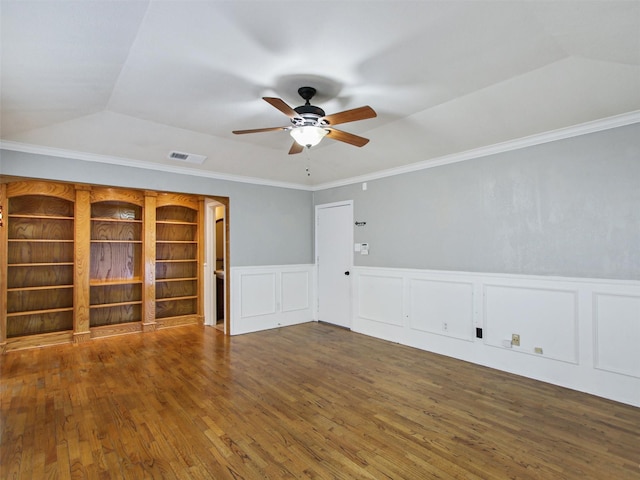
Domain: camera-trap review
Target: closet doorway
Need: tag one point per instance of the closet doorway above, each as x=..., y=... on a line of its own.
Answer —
x=216, y=263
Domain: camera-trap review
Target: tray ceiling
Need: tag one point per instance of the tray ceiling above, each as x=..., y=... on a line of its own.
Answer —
x=137, y=80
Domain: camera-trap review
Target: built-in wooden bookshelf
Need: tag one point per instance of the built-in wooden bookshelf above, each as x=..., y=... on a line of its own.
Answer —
x=177, y=258
x=40, y=260
x=83, y=262
x=116, y=258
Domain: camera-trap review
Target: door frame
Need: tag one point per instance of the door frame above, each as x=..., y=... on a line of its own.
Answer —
x=342, y=203
x=209, y=266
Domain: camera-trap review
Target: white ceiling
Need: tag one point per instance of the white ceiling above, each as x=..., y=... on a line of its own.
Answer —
x=137, y=79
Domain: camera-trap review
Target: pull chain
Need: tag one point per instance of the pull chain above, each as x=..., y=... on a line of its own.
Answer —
x=308, y=161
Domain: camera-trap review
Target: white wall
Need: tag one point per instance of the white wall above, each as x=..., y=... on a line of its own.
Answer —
x=587, y=330
x=271, y=296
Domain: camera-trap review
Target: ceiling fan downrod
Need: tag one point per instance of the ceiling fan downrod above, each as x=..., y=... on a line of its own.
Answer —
x=307, y=94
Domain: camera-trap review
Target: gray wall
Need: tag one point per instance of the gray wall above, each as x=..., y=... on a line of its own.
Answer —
x=568, y=208
x=269, y=225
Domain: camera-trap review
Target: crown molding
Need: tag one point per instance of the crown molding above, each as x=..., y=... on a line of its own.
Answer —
x=510, y=145
x=125, y=162
x=551, y=136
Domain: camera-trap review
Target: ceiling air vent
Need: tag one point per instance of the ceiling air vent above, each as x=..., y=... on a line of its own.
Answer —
x=187, y=157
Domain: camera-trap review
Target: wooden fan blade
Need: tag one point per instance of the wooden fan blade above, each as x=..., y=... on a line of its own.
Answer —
x=282, y=106
x=295, y=148
x=361, y=113
x=258, y=130
x=349, y=138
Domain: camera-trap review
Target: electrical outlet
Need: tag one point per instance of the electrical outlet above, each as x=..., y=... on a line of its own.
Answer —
x=538, y=350
x=445, y=326
x=515, y=339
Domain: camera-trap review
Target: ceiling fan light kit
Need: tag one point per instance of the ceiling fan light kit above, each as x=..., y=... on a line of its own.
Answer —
x=310, y=124
x=308, y=136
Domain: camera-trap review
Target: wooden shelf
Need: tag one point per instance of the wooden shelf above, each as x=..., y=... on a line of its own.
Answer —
x=186, y=260
x=118, y=220
x=181, y=279
x=177, y=242
x=37, y=240
x=116, y=241
x=118, y=304
x=175, y=222
x=39, y=217
x=38, y=312
x=41, y=264
x=45, y=287
x=108, y=283
x=167, y=299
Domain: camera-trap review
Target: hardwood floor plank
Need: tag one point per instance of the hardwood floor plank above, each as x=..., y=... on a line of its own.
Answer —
x=310, y=401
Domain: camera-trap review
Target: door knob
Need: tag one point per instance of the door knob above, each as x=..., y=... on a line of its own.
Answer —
x=347, y=272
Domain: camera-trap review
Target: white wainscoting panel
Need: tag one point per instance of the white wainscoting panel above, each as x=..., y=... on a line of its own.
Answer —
x=270, y=296
x=617, y=333
x=442, y=307
x=296, y=291
x=380, y=299
x=544, y=318
x=575, y=332
x=258, y=294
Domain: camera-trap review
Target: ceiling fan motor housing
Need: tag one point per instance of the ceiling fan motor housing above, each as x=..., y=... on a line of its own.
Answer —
x=310, y=113
x=309, y=118
x=310, y=109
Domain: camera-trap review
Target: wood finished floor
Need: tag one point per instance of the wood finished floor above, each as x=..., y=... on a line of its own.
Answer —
x=309, y=401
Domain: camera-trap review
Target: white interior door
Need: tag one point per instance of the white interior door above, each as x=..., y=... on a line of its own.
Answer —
x=334, y=259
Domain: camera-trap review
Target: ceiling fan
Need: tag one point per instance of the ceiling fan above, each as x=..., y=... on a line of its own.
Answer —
x=309, y=124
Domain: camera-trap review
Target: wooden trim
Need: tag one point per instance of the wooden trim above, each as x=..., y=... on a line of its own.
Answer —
x=179, y=199
x=3, y=266
x=81, y=337
x=118, y=329
x=51, y=189
x=37, y=341
x=179, y=321
x=99, y=194
x=82, y=259
x=149, y=327
x=201, y=258
x=227, y=269
x=227, y=261
x=149, y=258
